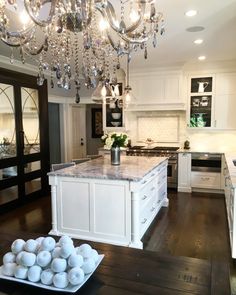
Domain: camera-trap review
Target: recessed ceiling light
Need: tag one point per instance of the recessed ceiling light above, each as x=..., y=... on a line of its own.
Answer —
x=191, y=13
x=198, y=41
x=202, y=57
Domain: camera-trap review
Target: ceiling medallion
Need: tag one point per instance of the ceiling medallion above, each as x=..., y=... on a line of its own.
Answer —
x=79, y=37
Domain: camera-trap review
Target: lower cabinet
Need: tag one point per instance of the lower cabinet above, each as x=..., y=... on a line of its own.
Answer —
x=208, y=180
x=109, y=211
x=184, y=172
x=230, y=197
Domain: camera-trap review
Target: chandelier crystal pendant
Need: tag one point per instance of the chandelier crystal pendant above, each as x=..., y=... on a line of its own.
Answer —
x=78, y=39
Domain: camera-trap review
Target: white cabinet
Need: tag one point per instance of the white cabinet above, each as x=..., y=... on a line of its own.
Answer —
x=225, y=101
x=201, y=101
x=159, y=90
x=184, y=172
x=109, y=211
x=230, y=198
x=212, y=101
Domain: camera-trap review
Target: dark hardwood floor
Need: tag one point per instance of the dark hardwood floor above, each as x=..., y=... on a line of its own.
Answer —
x=194, y=225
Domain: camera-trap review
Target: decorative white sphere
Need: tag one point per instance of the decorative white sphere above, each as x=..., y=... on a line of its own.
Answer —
x=21, y=272
x=88, y=265
x=66, y=250
x=76, y=276
x=9, y=257
x=17, y=246
x=43, y=258
x=94, y=255
x=19, y=256
x=47, y=277
x=75, y=260
x=56, y=252
x=8, y=269
x=85, y=250
x=28, y=259
x=31, y=246
x=65, y=240
x=48, y=244
x=34, y=273
x=58, y=265
x=60, y=280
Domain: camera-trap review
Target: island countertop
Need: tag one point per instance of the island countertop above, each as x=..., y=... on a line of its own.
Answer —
x=131, y=168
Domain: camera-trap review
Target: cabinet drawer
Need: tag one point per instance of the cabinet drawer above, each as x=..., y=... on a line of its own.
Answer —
x=146, y=213
x=162, y=176
x=147, y=192
x=205, y=180
x=162, y=192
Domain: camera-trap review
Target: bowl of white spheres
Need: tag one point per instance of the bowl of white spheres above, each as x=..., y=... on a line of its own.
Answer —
x=45, y=261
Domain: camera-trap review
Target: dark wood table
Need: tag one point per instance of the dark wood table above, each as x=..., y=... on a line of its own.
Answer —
x=130, y=271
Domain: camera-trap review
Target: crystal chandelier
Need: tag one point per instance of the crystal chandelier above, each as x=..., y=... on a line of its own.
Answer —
x=79, y=39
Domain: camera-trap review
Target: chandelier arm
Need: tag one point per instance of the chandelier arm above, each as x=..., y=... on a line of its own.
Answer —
x=116, y=48
x=41, y=23
x=19, y=38
x=109, y=14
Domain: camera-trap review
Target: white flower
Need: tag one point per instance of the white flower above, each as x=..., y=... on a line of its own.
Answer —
x=109, y=142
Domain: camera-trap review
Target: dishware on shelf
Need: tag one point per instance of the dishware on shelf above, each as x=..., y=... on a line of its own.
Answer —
x=202, y=86
x=116, y=124
x=116, y=116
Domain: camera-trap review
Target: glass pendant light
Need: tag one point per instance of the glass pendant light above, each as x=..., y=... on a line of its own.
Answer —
x=103, y=93
x=127, y=98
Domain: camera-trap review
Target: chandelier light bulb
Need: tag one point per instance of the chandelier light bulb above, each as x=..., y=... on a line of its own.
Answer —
x=103, y=24
x=202, y=57
x=24, y=18
x=134, y=16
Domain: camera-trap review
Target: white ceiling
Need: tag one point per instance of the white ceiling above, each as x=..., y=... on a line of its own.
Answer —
x=176, y=47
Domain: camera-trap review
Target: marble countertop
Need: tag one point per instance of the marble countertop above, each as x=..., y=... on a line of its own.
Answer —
x=230, y=156
x=131, y=168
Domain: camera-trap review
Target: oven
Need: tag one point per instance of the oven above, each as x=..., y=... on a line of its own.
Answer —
x=170, y=152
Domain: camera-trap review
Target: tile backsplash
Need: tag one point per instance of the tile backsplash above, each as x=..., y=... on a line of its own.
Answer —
x=169, y=128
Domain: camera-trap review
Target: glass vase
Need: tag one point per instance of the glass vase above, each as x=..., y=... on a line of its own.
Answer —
x=115, y=155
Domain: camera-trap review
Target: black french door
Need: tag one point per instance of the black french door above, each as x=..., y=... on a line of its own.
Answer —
x=24, y=144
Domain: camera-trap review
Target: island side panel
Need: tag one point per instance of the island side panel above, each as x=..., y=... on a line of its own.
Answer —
x=94, y=209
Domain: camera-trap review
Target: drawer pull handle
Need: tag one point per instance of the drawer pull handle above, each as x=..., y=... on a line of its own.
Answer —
x=144, y=197
x=163, y=194
x=205, y=178
x=144, y=220
x=153, y=174
x=143, y=182
x=158, y=201
x=152, y=209
x=153, y=188
x=164, y=176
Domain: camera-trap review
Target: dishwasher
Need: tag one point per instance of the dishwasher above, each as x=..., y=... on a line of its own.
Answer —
x=206, y=171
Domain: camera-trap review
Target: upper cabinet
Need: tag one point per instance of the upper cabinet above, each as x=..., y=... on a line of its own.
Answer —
x=201, y=102
x=225, y=97
x=212, y=101
x=160, y=91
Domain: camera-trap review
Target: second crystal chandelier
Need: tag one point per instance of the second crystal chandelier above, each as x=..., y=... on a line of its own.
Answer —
x=79, y=37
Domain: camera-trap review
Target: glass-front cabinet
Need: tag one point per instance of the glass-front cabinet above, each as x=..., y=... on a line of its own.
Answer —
x=24, y=156
x=201, y=102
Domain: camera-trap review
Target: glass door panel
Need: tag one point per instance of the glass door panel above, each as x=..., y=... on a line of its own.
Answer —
x=30, y=120
x=7, y=122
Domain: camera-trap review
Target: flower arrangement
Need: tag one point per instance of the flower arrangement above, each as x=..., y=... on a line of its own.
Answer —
x=114, y=139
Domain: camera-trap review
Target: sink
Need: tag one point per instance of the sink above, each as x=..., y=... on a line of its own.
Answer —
x=234, y=161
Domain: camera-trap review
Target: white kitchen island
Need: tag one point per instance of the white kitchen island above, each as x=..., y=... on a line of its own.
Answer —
x=96, y=201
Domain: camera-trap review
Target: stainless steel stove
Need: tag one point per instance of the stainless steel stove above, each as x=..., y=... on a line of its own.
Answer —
x=160, y=151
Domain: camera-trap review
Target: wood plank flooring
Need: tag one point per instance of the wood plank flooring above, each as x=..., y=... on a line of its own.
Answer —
x=194, y=225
